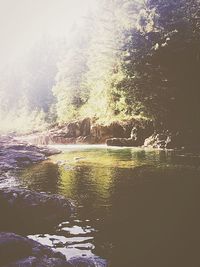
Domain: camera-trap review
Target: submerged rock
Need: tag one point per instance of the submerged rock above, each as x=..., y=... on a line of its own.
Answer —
x=18, y=251
x=32, y=210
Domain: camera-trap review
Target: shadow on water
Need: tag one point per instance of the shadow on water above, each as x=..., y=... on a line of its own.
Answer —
x=136, y=208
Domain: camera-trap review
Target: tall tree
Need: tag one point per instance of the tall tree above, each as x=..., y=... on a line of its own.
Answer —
x=161, y=61
x=104, y=58
x=69, y=89
x=40, y=71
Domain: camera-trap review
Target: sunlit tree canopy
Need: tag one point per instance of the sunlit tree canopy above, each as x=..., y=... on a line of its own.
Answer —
x=112, y=59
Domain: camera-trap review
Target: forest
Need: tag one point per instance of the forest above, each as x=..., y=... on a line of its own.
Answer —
x=128, y=59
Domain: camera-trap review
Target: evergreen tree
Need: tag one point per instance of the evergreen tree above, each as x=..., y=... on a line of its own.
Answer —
x=69, y=89
x=161, y=62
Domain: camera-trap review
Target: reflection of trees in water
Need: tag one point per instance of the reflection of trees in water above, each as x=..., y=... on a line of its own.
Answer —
x=41, y=177
x=153, y=156
x=135, y=199
x=90, y=186
x=149, y=206
x=119, y=154
x=134, y=157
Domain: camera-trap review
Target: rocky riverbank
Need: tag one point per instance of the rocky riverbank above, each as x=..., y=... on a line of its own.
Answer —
x=16, y=154
x=19, y=251
x=132, y=133
x=16, y=251
x=31, y=211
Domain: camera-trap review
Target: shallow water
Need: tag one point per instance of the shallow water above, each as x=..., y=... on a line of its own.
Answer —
x=135, y=207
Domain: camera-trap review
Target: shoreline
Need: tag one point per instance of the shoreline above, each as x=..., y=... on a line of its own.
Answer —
x=130, y=133
x=30, y=210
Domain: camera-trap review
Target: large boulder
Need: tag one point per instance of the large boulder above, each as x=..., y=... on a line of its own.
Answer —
x=18, y=251
x=31, y=210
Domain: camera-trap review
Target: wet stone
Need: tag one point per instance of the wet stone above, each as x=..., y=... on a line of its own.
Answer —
x=18, y=251
x=32, y=210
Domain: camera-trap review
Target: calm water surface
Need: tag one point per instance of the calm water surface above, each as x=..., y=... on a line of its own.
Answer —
x=136, y=208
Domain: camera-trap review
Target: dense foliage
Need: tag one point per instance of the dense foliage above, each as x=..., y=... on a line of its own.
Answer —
x=162, y=66
x=128, y=58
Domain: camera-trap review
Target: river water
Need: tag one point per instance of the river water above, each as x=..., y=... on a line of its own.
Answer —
x=135, y=207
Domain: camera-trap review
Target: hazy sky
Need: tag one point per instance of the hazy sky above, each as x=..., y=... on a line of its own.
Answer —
x=23, y=22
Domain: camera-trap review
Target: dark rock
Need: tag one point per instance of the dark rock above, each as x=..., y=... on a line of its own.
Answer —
x=137, y=136
x=41, y=262
x=100, y=133
x=85, y=140
x=140, y=132
x=72, y=130
x=85, y=127
x=87, y=262
x=32, y=210
x=165, y=140
x=25, y=262
x=156, y=141
x=86, y=131
x=121, y=142
x=63, y=134
x=14, y=154
x=18, y=251
x=13, y=247
x=54, y=139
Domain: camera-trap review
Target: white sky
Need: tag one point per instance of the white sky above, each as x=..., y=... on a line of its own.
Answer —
x=23, y=22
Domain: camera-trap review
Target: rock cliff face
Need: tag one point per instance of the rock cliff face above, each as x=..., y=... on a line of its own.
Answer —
x=140, y=131
x=131, y=133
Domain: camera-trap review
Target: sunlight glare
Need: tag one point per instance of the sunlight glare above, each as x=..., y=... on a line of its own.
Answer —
x=24, y=22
